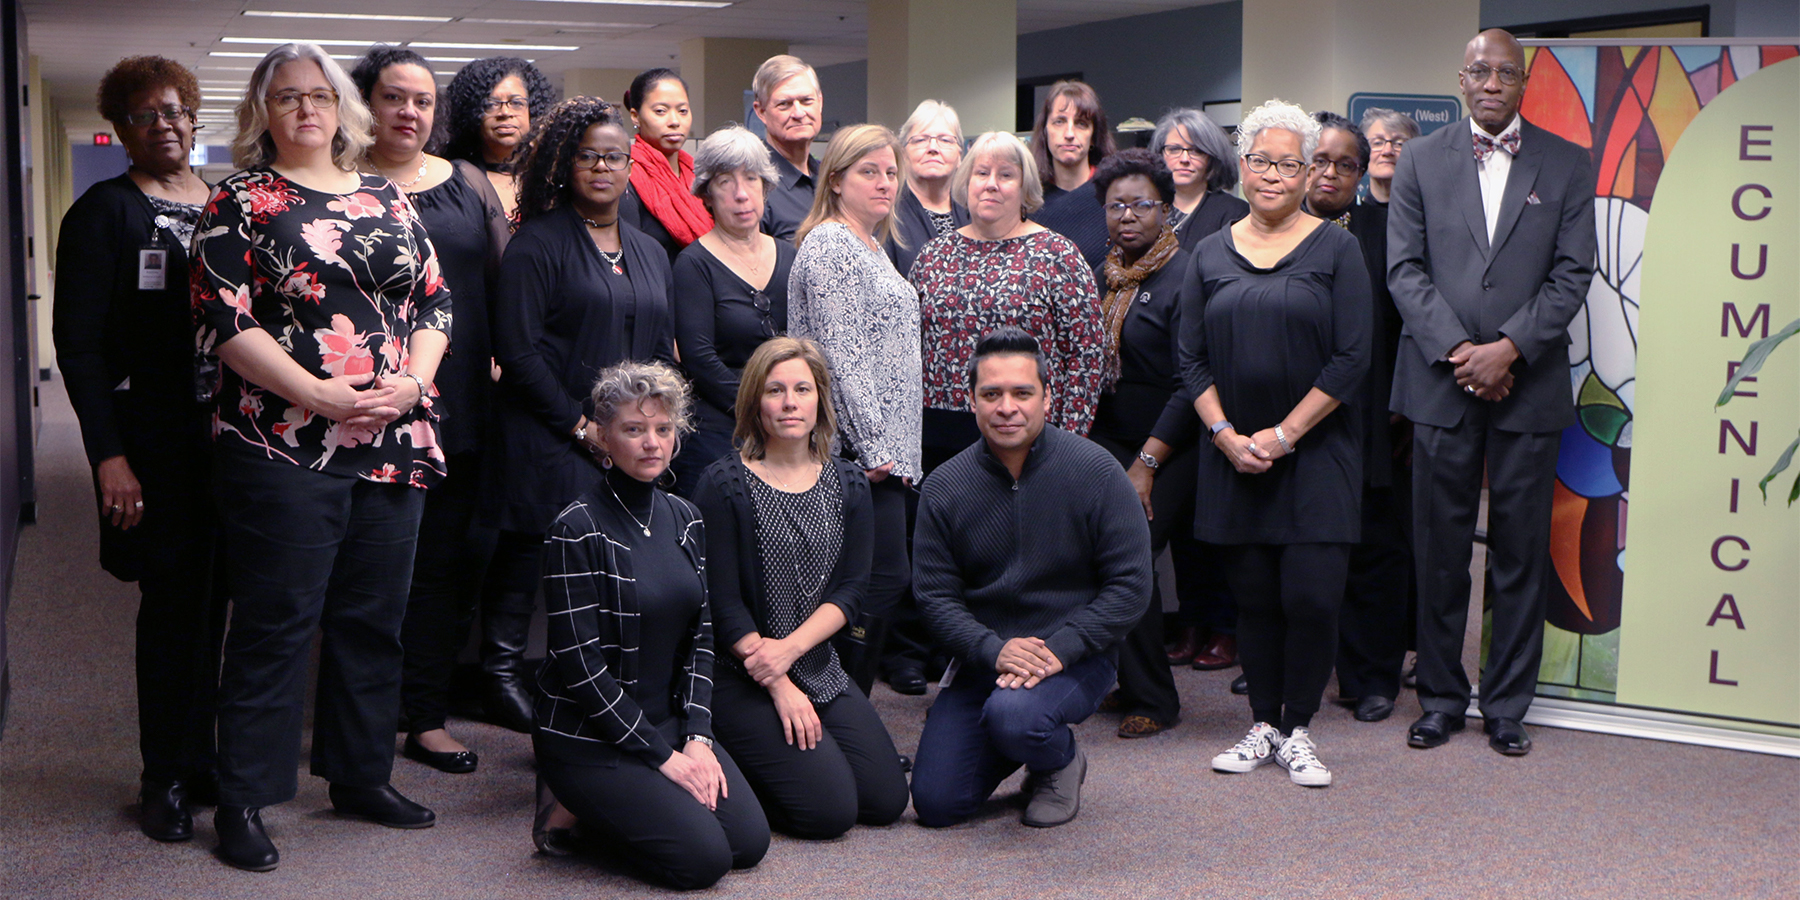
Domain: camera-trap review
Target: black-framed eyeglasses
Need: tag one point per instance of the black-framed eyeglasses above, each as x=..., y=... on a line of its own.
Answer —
x=761, y=301
x=1286, y=168
x=288, y=101
x=511, y=104
x=145, y=118
x=1177, y=151
x=1480, y=73
x=614, y=161
x=1140, y=208
x=1380, y=144
x=1342, y=166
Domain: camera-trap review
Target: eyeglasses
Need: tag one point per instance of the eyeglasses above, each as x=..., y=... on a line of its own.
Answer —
x=1478, y=74
x=511, y=104
x=761, y=300
x=1141, y=207
x=1380, y=144
x=288, y=101
x=1286, y=168
x=1343, y=166
x=942, y=140
x=1176, y=151
x=614, y=161
x=144, y=118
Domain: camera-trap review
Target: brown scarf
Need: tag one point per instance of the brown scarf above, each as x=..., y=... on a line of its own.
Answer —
x=1121, y=288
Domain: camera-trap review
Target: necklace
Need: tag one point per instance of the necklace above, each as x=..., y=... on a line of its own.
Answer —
x=407, y=185
x=770, y=470
x=645, y=524
x=613, y=259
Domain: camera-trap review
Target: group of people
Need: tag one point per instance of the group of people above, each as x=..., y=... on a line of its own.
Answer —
x=756, y=428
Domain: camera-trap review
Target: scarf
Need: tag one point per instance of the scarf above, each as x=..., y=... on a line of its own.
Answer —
x=665, y=194
x=1121, y=288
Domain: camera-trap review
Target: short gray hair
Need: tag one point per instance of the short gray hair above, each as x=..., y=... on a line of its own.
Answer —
x=1394, y=119
x=728, y=150
x=1208, y=137
x=925, y=113
x=775, y=70
x=1008, y=147
x=631, y=384
x=1280, y=115
x=253, y=147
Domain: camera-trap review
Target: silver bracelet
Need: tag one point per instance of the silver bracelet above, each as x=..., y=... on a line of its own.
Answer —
x=700, y=738
x=1148, y=461
x=418, y=381
x=1283, y=441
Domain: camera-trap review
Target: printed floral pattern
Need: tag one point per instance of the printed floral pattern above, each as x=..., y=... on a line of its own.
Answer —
x=341, y=282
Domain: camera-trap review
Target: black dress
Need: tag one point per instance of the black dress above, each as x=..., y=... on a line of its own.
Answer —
x=1266, y=337
x=1216, y=210
x=1079, y=216
x=633, y=210
x=720, y=321
x=470, y=246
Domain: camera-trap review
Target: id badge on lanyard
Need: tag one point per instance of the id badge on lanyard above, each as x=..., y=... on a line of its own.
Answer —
x=153, y=260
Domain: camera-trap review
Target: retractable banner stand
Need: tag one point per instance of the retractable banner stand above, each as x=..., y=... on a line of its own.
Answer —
x=1675, y=607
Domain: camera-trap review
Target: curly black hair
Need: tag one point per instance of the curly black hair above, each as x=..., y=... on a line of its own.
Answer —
x=376, y=61
x=1136, y=161
x=136, y=73
x=544, y=167
x=462, y=99
x=1329, y=119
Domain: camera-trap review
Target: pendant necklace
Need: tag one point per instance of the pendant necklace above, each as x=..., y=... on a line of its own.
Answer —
x=645, y=524
x=407, y=185
x=617, y=256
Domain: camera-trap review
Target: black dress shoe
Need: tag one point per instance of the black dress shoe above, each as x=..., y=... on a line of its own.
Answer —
x=456, y=762
x=1374, y=708
x=1507, y=737
x=164, y=814
x=909, y=681
x=1240, y=685
x=242, y=841
x=382, y=805
x=1433, y=729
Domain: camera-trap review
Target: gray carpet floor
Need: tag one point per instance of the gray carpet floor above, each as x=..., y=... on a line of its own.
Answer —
x=1585, y=815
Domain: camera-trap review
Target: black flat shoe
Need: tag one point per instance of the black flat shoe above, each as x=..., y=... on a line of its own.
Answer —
x=1240, y=685
x=909, y=681
x=455, y=762
x=163, y=811
x=242, y=841
x=1507, y=737
x=1433, y=729
x=381, y=805
x=1374, y=708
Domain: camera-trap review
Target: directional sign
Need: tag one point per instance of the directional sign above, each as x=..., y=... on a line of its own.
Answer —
x=1431, y=111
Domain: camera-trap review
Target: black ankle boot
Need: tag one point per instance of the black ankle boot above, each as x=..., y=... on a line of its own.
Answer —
x=242, y=841
x=163, y=811
x=506, y=694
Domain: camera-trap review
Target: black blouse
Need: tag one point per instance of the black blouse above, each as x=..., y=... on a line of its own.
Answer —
x=1079, y=216
x=720, y=321
x=1368, y=221
x=633, y=210
x=1216, y=210
x=1265, y=337
x=470, y=237
x=560, y=317
x=1149, y=399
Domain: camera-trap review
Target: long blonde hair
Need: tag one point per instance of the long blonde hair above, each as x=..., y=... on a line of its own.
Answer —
x=847, y=147
x=253, y=147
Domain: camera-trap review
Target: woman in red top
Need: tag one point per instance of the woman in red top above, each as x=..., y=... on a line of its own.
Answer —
x=660, y=200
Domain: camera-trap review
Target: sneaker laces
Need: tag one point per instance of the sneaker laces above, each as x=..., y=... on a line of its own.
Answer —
x=1298, y=752
x=1246, y=748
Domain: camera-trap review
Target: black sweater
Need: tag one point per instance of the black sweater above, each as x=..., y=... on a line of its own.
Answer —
x=1062, y=553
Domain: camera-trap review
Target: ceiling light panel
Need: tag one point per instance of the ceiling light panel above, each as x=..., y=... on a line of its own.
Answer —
x=363, y=17
x=686, y=4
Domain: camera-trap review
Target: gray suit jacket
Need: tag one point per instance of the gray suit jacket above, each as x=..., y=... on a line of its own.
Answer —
x=1451, y=286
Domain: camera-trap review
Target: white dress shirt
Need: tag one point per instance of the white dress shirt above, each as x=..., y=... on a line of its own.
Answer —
x=1493, y=172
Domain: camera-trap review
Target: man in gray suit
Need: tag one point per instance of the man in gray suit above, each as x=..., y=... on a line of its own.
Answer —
x=1490, y=249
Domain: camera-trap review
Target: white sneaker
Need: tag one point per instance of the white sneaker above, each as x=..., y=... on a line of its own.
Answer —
x=1257, y=748
x=1297, y=755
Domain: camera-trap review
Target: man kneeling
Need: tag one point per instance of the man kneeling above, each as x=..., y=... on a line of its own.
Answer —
x=1031, y=562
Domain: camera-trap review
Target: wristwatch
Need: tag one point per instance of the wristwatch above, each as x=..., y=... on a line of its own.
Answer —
x=701, y=738
x=1148, y=460
x=1219, y=426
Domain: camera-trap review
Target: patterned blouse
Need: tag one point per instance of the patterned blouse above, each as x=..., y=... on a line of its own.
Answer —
x=340, y=281
x=800, y=534
x=865, y=317
x=1038, y=282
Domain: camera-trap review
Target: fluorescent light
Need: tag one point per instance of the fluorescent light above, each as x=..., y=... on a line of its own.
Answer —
x=226, y=68
x=367, y=17
x=283, y=40
x=442, y=46
x=691, y=4
x=233, y=54
x=552, y=24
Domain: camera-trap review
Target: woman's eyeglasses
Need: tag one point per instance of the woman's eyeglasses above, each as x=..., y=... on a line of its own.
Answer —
x=614, y=161
x=145, y=118
x=1141, y=208
x=761, y=301
x=510, y=104
x=288, y=101
x=1286, y=168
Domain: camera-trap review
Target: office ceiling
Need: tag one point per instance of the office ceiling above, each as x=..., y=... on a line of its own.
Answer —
x=75, y=41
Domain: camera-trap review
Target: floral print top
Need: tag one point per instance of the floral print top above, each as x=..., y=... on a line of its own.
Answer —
x=340, y=281
x=1038, y=282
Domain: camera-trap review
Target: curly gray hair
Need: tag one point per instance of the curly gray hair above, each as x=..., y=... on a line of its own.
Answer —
x=631, y=384
x=728, y=150
x=1283, y=116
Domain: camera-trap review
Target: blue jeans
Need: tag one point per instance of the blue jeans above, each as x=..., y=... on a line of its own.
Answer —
x=977, y=734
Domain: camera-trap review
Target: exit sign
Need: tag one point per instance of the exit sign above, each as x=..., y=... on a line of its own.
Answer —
x=102, y=139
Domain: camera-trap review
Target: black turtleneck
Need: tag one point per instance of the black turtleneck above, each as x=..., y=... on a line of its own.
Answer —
x=669, y=593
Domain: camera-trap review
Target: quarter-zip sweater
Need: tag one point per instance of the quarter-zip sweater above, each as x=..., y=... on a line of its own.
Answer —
x=1061, y=553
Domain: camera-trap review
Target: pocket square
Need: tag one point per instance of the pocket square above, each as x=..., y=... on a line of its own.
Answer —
x=1531, y=199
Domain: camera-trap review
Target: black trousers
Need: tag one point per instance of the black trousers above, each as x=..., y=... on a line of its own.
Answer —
x=307, y=551
x=1521, y=476
x=1373, y=626
x=657, y=824
x=448, y=570
x=1288, y=597
x=511, y=586
x=852, y=776
x=1146, y=683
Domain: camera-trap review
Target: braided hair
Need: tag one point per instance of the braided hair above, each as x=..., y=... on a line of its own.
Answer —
x=464, y=95
x=544, y=167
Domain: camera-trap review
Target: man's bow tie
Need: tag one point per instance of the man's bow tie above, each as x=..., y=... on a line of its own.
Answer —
x=1484, y=145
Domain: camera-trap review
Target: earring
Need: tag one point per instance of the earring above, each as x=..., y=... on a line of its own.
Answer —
x=606, y=461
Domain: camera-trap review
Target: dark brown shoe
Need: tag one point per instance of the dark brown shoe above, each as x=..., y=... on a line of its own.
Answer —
x=1187, y=643
x=1135, y=726
x=1219, y=653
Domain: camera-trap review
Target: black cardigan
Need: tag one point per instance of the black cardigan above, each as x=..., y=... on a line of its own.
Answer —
x=916, y=230
x=1216, y=210
x=735, y=586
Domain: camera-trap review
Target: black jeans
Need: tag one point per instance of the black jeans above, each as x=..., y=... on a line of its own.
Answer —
x=1288, y=597
x=451, y=561
x=852, y=776
x=307, y=551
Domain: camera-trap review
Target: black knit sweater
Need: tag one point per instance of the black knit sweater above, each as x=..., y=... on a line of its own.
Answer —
x=1062, y=553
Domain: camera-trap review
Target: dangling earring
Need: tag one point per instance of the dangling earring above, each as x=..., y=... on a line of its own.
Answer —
x=605, y=460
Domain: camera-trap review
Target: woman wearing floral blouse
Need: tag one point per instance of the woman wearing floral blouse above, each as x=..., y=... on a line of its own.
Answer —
x=1003, y=269
x=320, y=292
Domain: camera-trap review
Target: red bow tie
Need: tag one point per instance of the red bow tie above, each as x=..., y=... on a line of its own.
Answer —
x=1484, y=145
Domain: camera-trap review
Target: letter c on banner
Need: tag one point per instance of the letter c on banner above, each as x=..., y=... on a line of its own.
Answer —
x=1737, y=202
x=1721, y=563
